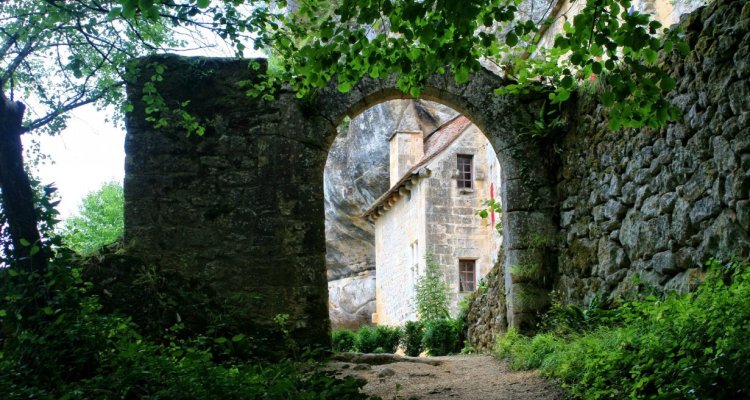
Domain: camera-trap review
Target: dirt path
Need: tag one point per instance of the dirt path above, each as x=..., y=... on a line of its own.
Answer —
x=457, y=377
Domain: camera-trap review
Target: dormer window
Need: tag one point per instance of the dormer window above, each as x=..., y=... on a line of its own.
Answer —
x=465, y=171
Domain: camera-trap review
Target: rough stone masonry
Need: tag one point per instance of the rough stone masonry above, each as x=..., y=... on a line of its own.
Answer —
x=649, y=207
x=241, y=207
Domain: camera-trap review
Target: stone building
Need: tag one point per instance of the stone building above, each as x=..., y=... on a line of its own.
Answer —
x=438, y=180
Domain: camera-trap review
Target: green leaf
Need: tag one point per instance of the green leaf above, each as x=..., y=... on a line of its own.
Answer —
x=462, y=75
x=560, y=95
x=567, y=82
x=345, y=87
x=203, y=3
x=48, y=310
x=24, y=242
x=596, y=67
x=511, y=39
x=650, y=56
x=114, y=13
x=683, y=48
x=238, y=337
x=220, y=340
x=667, y=84
x=3, y=313
x=608, y=98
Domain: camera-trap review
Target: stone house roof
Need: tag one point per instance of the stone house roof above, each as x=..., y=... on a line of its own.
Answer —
x=435, y=143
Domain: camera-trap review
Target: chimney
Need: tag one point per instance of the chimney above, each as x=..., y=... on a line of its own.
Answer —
x=406, y=148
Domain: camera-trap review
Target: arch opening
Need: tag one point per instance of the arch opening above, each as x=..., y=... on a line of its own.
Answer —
x=241, y=209
x=529, y=234
x=394, y=196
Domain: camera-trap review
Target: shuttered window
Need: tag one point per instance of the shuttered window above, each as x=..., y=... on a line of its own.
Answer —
x=467, y=275
x=465, y=169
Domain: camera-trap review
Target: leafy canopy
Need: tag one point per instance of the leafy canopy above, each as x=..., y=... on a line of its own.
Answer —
x=99, y=221
x=59, y=55
x=417, y=39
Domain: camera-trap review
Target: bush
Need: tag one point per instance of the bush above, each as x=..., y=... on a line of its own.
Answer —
x=411, y=340
x=388, y=338
x=366, y=340
x=431, y=293
x=381, y=339
x=682, y=346
x=441, y=337
x=99, y=221
x=58, y=343
x=343, y=340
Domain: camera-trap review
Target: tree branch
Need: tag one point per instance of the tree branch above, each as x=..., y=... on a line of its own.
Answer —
x=37, y=123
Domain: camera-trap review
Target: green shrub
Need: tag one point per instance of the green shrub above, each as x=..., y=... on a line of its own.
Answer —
x=441, y=337
x=381, y=339
x=388, y=338
x=366, y=340
x=431, y=293
x=682, y=346
x=58, y=343
x=343, y=340
x=99, y=221
x=411, y=340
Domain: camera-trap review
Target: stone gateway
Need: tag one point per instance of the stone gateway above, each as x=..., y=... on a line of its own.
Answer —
x=587, y=212
x=242, y=206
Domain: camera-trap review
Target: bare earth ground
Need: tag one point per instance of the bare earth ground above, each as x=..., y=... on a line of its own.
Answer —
x=457, y=377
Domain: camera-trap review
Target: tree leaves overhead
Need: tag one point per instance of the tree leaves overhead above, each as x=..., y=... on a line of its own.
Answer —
x=59, y=55
x=413, y=40
x=78, y=49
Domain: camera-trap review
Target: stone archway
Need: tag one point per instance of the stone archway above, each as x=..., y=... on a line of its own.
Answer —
x=529, y=229
x=241, y=208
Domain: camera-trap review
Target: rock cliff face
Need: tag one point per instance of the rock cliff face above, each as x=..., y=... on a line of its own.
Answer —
x=356, y=174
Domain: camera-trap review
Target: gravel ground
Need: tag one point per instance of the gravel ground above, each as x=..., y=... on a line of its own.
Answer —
x=457, y=377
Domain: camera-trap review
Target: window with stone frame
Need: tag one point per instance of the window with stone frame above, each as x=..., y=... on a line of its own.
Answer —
x=465, y=179
x=467, y=275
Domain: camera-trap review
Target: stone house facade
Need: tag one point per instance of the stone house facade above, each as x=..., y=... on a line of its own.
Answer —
x=438, y=181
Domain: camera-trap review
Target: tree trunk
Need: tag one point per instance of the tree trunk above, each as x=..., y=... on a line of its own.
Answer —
x=17, y=193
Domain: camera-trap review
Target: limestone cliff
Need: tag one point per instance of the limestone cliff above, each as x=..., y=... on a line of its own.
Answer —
x=356, y=174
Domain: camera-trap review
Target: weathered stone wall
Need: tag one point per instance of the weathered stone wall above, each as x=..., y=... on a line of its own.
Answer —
x=242, y=207
x=652, y=205
x=399, y=262
x=228, y=207
x=486, y=316
x=648, y=207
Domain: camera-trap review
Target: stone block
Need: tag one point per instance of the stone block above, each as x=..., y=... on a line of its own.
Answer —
x=704, y=208
x=523, y=228
x=685, y=281
x=664, y=263
x=610, y=258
